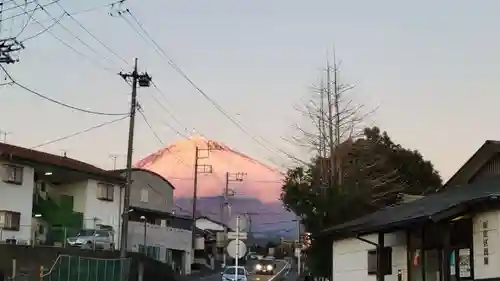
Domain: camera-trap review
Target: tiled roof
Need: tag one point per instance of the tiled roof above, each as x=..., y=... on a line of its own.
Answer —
x=12, y=152
x=430, y=208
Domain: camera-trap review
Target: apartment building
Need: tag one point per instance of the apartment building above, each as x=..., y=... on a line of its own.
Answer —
x=60, y=193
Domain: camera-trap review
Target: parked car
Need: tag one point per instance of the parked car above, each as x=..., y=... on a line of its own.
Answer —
x=93, y=239
x=229, y=274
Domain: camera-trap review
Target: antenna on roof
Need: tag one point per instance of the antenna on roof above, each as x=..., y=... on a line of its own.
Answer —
x=3, y=136
x=114, y=158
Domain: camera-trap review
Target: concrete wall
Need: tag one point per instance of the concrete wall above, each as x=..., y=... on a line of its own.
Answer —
x=105, y=212
x=151, y=191
x=29, y=259
x=164, y=238
x=18, y=198
x=205, y=224
x=350, y=257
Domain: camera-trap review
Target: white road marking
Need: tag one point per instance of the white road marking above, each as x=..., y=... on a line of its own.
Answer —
x=279, y=272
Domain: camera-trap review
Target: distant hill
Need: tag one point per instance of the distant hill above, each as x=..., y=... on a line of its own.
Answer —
x=258, y=194
x=268, y=219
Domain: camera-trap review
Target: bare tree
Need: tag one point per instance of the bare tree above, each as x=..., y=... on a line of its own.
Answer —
x=332, y=118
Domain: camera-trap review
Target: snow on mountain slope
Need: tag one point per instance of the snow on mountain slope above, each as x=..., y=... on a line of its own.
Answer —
x=176, y=162
x=258, y=194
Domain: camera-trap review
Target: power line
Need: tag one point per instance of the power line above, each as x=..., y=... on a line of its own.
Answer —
x=237, y=123
x=97, y=63
x=56, y=101
x=43, y=30
x=79, y=133
x=150, y=127
x=27, y=21
x=26, y=12
x=76, y=36
x=170, y=114
x=92, y=35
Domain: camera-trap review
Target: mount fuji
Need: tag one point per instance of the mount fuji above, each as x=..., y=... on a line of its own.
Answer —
x=257, y=195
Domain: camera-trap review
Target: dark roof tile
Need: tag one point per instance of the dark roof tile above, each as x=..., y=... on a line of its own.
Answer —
x=422, y=209
x=8, y=151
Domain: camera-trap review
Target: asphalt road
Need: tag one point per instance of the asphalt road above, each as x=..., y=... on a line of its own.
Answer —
x=282, y=269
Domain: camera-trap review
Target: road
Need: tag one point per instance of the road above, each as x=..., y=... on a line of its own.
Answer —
x=282, y=269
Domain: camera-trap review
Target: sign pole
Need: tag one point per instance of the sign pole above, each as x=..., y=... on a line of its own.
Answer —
x=237, y=247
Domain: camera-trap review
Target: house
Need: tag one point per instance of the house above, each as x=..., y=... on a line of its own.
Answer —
x=153, y=229
x=448, y=236
x=61, y=194
x=211, y=236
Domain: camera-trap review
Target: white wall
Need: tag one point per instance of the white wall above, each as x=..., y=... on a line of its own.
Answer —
x=350, y=257
x=77, y=190
x=18, y=198
x=490, y=270
x=157, y=235
x=163, y=237
x=106, y=212
x=205, y=224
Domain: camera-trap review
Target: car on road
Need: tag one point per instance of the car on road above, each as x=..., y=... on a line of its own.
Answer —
x=265, y=267
x=229, y=273
x=92, y=239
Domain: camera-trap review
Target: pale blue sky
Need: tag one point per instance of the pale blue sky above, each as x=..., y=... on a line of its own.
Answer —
x=431, y=66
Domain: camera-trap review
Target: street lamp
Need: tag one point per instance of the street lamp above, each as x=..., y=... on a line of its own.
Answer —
x=143, y=218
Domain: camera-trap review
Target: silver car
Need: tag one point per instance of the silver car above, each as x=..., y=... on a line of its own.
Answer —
x=93, y=239
x=229, y=274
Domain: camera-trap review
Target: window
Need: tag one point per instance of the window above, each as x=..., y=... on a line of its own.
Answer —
x=10, y=220
x=12, y=174
x=386, y=266
x=105, y=191
x=144, y=195
x=101, y=233
x=232, y=270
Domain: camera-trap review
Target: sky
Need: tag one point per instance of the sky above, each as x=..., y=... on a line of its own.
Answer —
x=428, y=67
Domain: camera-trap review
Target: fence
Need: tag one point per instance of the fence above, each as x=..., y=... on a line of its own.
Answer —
x=75, y=268
x=45, y=235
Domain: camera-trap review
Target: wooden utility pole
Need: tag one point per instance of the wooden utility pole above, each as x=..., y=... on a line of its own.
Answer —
x=198, y=169
x=138, y=80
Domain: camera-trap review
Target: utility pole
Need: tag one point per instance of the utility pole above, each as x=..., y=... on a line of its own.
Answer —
x=141, y=80
x=299, y=247
x=198, y=169
x=230, y=177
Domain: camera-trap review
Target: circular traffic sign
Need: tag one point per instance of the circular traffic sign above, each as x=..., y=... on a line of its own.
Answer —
x=236, y=249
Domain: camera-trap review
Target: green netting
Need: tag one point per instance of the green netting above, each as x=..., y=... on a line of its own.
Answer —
x=75, y=268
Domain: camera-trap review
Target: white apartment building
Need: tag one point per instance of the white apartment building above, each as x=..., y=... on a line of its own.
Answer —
x=63, y=192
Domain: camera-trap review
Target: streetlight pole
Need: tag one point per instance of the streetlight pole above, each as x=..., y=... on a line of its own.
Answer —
x=144, y=242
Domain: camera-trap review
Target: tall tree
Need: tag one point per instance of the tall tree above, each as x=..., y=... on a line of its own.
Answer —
x=375, y=170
